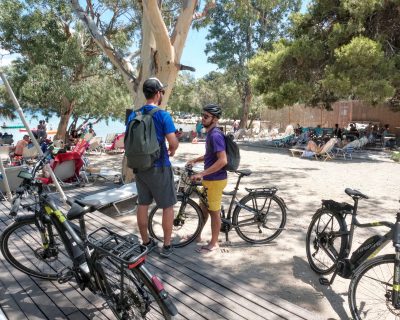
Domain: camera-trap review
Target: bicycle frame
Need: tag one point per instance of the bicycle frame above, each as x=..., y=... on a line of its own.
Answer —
x=344, y=267
x=374, y=249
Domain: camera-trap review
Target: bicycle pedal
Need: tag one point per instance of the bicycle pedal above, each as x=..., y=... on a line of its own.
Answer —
x=324, y=282
x=65, y=275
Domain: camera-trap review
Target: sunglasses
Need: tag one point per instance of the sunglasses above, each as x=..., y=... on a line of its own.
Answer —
x=162, y=91
x=206, y=116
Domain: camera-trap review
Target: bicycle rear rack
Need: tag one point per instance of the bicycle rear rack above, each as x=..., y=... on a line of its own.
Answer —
x=125, y=249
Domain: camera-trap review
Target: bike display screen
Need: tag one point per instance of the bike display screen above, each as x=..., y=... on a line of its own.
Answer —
x=25, y=175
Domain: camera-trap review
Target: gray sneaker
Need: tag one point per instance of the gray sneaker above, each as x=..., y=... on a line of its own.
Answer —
x=150, y=245
x=166, y=251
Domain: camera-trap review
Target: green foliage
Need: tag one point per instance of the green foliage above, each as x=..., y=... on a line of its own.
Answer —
x=238, y=30
x=395, y=156
x=337, y=50
x=190, y=95
x=59, y=65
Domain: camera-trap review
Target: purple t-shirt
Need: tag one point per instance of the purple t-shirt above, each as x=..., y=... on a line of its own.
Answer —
x=215, y=142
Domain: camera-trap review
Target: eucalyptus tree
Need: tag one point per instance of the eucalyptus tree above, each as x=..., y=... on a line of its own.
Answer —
x=156, y=45
x=59, y=68
x=238, y=30
x=336, y=50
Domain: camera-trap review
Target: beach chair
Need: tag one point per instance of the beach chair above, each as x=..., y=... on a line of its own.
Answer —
x=325, y=153
x=5, y=154
x=29, y=152
x=67, y=168
x=95, y=146
x=13, y=180
x=346, y=151
x=110, y=138
x=117, y=145
x=115, y=197
x=283, y=142
x=81, y=146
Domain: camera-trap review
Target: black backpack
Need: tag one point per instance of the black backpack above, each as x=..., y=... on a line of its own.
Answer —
x=141, y=145
x=232, y=153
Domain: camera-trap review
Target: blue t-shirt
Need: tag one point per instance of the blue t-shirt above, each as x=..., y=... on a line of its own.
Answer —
x=215, y=142
x=164, y=125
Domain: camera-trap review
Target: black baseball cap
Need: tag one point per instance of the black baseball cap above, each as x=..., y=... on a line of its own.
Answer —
x=153, y=85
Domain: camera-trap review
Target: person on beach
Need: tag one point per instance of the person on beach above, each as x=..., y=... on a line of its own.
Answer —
x=157, y=182
x=214, y=176
x=21, y=144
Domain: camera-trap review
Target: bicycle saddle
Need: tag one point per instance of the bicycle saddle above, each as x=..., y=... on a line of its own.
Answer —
x=80, y=207
x=244, y=172
x=355, y=193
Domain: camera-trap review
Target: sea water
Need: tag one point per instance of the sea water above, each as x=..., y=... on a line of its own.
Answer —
x=101, y=128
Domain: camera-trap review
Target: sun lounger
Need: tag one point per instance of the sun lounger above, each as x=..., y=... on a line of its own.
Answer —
x=13, y=180
x=115, y=196
x=295, y=152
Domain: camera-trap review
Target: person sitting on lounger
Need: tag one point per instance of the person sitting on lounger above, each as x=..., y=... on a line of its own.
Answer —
x=19, y=148
x=312, y=146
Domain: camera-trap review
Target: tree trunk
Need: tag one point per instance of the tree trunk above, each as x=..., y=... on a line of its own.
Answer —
x=68, y=107
x=246, y=102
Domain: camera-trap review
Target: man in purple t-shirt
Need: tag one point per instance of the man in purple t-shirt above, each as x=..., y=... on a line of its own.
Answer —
x=214, y=175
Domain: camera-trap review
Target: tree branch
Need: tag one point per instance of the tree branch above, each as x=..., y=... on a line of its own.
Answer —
x=199, y=15
x=116, y=59
x=158, y=29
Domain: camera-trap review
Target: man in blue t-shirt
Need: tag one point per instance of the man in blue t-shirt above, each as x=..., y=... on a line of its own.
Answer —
x=158, y=182
x=214, y=176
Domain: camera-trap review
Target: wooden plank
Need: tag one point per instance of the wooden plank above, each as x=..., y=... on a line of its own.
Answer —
x=197, y=295
x=287, y=309
x=231, y=303
x=71, y=300
x=20, y=295
x=9, y=305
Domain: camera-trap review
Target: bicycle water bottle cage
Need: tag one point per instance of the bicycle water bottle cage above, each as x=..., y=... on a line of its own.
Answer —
x=270, y=190
x=339, y=207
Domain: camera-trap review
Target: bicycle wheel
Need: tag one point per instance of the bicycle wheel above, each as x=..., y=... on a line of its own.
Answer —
x=371, y=288
x=187, y=224
x=22, y=246
x=259, y=218
x=326, y=241
x=139, y=300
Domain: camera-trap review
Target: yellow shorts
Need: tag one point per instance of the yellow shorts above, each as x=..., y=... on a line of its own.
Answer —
x=214, y=193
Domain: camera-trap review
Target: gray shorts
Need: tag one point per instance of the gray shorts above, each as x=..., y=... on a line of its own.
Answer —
x=157, y=184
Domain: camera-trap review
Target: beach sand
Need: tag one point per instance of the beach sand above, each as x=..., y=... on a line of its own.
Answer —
x=281, y=268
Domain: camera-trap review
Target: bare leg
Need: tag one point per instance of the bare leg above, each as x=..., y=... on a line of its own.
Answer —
x=204, y=211
x=215, y=228
x=142, y=222
x=167, y=221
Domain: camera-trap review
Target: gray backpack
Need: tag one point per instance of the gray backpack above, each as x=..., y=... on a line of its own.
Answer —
x=141, y=144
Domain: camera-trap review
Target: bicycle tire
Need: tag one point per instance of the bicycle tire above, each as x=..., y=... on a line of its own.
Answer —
x=21, y=245
x=133, y=305
x=185, y=230
x=317, y=239
x=370, y=290
x=264, y=227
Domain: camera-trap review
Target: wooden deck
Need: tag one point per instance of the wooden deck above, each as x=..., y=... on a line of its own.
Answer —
x=198, y=294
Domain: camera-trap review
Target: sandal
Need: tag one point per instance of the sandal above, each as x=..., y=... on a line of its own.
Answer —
x=206, y=249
